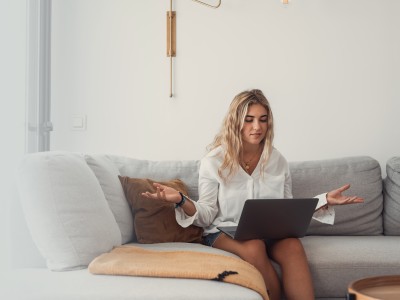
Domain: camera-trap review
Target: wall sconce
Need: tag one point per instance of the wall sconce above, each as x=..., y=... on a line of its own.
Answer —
x=171, y=34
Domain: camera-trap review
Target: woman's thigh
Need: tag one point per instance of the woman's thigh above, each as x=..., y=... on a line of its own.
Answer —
x=282, y=250
x=248, y=250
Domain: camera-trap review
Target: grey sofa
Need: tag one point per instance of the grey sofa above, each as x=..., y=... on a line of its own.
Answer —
x=75, y=210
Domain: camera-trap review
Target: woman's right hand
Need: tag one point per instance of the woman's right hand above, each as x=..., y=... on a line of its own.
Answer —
x=164, y=193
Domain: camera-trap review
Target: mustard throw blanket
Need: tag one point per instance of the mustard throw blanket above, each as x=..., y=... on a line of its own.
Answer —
x=136, y=261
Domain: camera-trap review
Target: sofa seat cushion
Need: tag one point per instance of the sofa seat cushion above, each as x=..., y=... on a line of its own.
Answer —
x=42, y=284
x=336, y=261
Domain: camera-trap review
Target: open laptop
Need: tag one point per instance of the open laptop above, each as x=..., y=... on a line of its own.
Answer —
x=273, y=219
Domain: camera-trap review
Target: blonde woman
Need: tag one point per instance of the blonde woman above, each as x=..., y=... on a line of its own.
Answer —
x=241, y=164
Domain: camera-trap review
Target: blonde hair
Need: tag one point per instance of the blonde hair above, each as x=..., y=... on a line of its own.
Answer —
x=230, y=137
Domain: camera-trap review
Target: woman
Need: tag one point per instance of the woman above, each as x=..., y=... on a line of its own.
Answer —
x=243, y=164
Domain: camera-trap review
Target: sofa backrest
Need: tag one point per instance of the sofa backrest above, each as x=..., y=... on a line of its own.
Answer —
x=187, y=171
x=309, y=178
x=363, y=173
x=391, y=214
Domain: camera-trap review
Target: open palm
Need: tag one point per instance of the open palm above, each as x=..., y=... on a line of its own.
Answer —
x=164, y=193
x=336, y=197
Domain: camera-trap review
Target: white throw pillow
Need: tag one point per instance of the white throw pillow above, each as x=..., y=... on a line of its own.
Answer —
x=65, y=209
x=107, y=175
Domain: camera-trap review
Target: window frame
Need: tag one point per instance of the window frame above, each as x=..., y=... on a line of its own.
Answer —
x=38, y=76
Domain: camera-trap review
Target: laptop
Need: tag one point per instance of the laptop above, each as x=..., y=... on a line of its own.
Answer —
x=273, y=219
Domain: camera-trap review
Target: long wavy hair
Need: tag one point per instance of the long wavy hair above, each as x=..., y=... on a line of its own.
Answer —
x=230, y=134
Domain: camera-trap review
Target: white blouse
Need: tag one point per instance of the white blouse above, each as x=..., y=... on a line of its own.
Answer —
x=220, y=203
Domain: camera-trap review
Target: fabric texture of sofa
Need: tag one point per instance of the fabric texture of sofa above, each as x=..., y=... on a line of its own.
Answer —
x=75, y=209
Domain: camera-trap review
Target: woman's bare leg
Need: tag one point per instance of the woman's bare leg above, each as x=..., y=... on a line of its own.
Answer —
x=296, y=276
x=255, y=253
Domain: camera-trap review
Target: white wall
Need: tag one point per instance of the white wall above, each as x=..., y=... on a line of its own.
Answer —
x=330, y=68
x=12, y=111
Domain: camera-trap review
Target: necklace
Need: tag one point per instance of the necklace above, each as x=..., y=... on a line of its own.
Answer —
x=247, y=163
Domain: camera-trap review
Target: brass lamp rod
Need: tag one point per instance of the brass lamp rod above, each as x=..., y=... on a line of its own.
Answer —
x=209, y=5
x=171, y=36
x=171, y=41
x=170, y=49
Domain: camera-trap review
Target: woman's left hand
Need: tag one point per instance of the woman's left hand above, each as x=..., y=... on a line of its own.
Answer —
x=335, y=197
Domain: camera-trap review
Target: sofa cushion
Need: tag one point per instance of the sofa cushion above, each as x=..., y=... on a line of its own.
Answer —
x=154, y=220
x=363, y=173
x=30, y=284
x=65, y=209
x=187, y=171
x=107, y=175
x=391, y=213
x=336, y=261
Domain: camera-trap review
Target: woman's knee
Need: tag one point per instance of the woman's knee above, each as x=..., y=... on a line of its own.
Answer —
x=286, y=248
x=254, y=251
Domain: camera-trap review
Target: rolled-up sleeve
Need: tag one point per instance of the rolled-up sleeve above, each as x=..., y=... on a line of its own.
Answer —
x=324, y=215
x=206, y=206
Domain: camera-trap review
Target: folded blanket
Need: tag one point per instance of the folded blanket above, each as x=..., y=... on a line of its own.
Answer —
x=136, y=261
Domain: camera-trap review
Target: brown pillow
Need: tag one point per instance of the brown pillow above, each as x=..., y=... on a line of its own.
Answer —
x=154, y=220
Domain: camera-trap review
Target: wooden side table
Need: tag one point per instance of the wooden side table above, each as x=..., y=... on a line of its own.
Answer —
x=375, y=288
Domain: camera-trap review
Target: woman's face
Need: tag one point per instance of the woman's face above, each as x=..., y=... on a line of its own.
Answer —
x=255, y=125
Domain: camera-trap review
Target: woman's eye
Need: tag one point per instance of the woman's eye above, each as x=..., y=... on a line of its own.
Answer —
x=248, y=120
x=264, y=120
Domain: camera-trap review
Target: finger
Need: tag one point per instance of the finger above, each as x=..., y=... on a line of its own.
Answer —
x=354, y=199
x=149, y=195
x=157, y=185
x=359, y=200
x=158, y=193
x=343, y=188
x=344, y=200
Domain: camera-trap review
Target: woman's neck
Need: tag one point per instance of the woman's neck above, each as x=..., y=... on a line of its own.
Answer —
x=251, y=149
